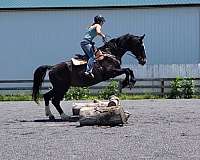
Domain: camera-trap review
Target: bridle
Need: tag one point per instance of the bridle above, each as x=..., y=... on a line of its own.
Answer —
x=139, y=58
x=118, y=48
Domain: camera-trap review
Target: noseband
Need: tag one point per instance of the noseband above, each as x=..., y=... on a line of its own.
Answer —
x=139, y=58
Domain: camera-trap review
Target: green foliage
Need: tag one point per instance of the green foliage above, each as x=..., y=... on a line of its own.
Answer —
x=77, y=93
x=188, y=88
x=182, y=88
x=111, y=89
x=15, y=97
x=176, y=88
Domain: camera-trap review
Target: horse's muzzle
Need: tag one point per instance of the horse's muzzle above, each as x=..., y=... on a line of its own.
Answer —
x=142, y=61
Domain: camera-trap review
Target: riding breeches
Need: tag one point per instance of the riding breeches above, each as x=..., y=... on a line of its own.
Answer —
x=88, y=49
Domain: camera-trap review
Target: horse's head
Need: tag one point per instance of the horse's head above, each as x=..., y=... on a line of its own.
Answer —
x=119, y=46
x=136, y=46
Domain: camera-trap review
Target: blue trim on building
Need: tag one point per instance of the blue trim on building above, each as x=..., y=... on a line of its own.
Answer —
x=9, y=4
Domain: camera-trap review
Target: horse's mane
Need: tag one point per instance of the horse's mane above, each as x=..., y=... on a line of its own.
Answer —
x=116, y=42
x=108, y=45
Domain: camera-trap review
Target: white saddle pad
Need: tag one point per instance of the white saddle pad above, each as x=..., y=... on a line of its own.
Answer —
x=77, y=62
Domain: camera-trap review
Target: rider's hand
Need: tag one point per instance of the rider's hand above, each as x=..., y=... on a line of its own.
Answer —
x=104, y=39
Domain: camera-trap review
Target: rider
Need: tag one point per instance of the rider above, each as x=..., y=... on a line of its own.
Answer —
x=88, y=46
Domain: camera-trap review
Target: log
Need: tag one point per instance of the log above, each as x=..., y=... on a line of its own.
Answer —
x=101, y=113
x=77, y=106
x=113, y=101
x=111, y=116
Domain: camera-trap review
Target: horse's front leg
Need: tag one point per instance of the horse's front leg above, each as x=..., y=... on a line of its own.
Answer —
x=121, y=71
x=132, y=78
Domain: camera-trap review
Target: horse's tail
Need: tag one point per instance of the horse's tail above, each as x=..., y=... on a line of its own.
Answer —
x=39, y=75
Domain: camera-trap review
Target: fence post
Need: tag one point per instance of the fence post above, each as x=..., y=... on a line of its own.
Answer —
x=162, y=87
x=119, y=86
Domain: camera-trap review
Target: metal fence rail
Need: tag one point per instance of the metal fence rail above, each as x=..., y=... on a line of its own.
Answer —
x=160, y=84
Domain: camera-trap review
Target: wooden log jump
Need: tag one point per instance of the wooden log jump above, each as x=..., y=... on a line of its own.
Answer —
x=101, y=113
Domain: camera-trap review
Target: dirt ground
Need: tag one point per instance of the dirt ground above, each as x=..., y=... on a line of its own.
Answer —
x=156, y=130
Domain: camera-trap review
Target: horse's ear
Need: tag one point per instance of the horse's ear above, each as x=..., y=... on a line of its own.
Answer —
x=142, y=37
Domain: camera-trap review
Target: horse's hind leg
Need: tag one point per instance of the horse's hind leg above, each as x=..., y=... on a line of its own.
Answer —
x=56, y=102
x=47, y=97
x=60, y=80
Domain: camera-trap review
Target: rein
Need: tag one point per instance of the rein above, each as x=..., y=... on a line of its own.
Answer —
x=108, y=53
x=113, y=57
x=115, y=49
x=132, y=55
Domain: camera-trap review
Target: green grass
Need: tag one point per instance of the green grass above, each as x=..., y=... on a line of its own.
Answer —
x=22, y=97
x=15, y=98
x=135, y=96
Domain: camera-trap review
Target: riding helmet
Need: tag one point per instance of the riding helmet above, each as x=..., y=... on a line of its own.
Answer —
x=99, y=18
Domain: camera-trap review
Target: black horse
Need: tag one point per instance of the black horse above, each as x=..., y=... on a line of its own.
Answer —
x=66, y=74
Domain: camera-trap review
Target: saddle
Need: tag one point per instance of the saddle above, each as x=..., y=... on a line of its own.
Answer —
x=82, y=59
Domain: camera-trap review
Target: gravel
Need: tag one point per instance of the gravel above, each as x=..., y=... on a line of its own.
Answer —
x=157, y=130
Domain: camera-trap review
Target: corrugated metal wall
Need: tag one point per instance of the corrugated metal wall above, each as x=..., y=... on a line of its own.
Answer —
x=32, y=38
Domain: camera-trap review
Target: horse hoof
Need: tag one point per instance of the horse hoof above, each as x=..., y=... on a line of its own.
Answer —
x=64, y=117
x=132, y=82
x=51, y=117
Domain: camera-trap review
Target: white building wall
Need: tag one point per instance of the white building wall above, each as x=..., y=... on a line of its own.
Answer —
x=32, y=38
